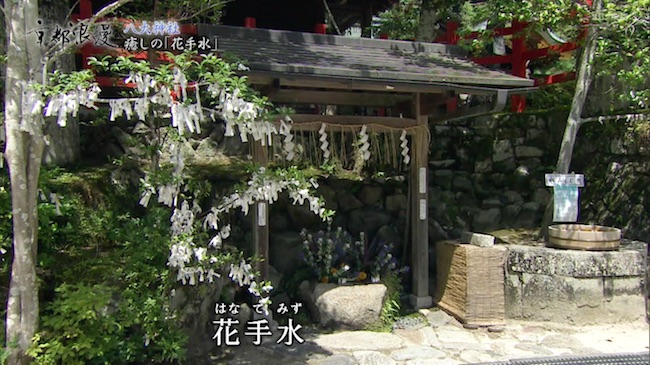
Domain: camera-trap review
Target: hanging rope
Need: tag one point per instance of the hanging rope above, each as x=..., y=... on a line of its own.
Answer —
x=391, y=149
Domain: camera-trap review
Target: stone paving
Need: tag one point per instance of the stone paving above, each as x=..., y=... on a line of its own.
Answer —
x=444, y=341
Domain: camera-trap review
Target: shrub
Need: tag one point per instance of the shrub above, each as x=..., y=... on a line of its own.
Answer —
x=93, y=234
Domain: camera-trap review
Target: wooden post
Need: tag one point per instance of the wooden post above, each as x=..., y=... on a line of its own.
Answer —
x=452, y=103
x=518, y=62
x=260, y=217
x=452, y=36
x=420, y=297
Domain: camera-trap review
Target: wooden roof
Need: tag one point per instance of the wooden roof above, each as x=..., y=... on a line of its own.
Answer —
x=360, y=63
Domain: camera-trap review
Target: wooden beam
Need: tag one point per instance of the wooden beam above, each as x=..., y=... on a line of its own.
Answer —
x=310, y=122
x=430, y=103
x=496, y=106
x=419, y=206
x=301, y=96
x=367, y=85
x=270, y=88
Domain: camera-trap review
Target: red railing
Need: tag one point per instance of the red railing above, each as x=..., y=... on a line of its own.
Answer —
x=519, y=56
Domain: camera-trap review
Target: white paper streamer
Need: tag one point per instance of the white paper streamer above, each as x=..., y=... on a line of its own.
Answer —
x=405, y=148
x=324, y=144
x=67, y=104
x=120, y=107
x=289, y=147
x=364, y=146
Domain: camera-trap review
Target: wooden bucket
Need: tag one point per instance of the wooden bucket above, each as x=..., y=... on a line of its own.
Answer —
x=584, y=237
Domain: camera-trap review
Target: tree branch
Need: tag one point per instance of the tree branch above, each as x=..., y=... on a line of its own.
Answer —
x=202, y=10
x=628, y=117
x=67, y=17
x=107, y=10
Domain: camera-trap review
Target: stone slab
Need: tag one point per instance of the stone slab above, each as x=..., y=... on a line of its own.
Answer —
x=360, y=340
x=415, y=337
x=573, y=263
x=451, y=334
x=433, y=362
x=338, y=359
x=417, y=352
x=373, y=358
x=430, y=335
x=477, y=239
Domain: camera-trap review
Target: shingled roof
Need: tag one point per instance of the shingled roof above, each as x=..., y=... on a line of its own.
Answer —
x=310, y=55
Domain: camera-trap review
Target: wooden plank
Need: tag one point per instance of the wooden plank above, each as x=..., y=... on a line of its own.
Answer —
x=301, y=96
x=332, y=83
x=554, y=79
x=419, y=211
x=493, y=60
x=542, y=52
x=269, y=88
x=352, y=120
x=262, y=78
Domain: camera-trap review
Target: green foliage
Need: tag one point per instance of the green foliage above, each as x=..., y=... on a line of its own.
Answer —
x=201, y=11
x=401, y=21
x=552, y=96
x=62, y=83
x=391, y=308
x=201, y=70
x=102, y=262
x=86, y=326
x=623, y=48
x=622, y=51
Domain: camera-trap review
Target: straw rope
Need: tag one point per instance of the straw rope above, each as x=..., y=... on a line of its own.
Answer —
x=343, y=147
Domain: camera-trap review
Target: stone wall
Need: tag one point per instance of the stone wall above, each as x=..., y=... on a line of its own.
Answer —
x=615, y=160
x=488, y=173
x=374, y=206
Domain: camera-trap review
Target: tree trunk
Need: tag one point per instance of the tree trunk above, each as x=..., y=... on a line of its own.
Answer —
x=23, y=152
x=429, y=18
x=585, y=77
x=63, y=147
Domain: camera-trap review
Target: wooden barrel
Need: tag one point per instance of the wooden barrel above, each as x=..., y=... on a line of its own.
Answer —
x=584, y=237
